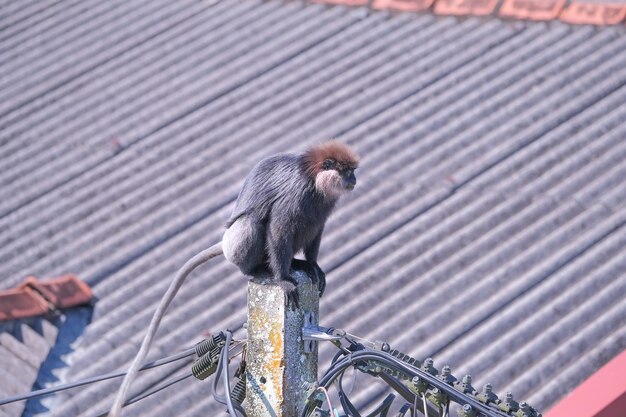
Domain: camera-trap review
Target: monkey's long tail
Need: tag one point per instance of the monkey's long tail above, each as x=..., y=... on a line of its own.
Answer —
x=167, y=298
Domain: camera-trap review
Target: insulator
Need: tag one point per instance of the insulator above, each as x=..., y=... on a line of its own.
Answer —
x=487, y=395
x=446, y=375
x=465, y=385
x=210, y=343
x=428, y=367
x=467, y=411
x=204, y=366
x=436, y=396
x=419, y=385
x=508, y=404
x=238, y=394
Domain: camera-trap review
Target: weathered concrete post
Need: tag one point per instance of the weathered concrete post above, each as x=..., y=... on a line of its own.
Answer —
x=279, y=365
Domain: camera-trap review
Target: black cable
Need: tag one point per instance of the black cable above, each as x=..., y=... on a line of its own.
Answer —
x=406, y=407
x=154, y=390
x=216, y=379
x=222, y=367
x=337, y=356
x=224, y=363
x=383, y=408
x=351, y=410
x=97, y=378
x=159, y=388
x=391, y=361
x=347, y=405
x=399, y=387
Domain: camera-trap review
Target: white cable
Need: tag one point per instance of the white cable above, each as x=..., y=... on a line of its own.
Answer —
x=167, y=298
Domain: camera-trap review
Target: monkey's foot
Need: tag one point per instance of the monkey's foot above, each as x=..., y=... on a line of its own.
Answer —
x=313, y=270
x=290, y=287
x=321, y=279
x=306, y=267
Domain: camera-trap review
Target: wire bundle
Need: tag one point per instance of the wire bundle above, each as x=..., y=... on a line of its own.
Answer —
x=422, y=387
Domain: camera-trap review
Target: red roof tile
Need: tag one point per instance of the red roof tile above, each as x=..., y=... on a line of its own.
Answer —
x=465, y=7
x=594, y=14
x=532, y=9
x=403, y=5
x=34, y=297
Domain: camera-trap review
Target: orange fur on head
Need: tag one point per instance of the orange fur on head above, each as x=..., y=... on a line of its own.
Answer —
x=315, y=156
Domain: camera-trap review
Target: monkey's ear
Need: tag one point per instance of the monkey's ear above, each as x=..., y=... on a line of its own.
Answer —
x=328, y=164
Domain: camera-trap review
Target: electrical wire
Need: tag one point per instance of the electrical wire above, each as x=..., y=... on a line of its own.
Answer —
x=229, y=400
x=216, y=379
x=403, y=410
x=399, y=387
x=388, y=360
x=167, y=384
x=447, y=410
x=97, y=378
x=350, y=408
x=347, y=405
x=153, y=391
x=425, y=405
x=357, y=354
x=222, y=375
x=177, y=282
x=337, y=356
x=383, y=408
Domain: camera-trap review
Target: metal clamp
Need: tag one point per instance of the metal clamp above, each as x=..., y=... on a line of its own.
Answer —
x=313, y=333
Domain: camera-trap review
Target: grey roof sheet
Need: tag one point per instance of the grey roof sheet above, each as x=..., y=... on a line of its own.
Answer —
x=487, y=229
x=24, y=346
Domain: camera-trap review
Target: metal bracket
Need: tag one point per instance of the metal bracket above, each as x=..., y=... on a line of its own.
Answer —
x=312, y=333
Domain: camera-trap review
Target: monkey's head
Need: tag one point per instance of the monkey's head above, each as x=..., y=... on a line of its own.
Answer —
x=331, y=166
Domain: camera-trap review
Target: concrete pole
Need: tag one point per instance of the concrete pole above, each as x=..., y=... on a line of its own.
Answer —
x=280, y=365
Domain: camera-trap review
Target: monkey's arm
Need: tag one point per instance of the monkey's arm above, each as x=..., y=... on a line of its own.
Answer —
x=312, y=250
x=310, y=253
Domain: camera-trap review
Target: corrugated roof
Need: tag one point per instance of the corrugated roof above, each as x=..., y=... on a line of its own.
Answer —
x=487, y=228
x=24, y=346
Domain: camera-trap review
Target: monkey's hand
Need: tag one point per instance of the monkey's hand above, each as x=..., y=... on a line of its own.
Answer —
x=290, y=287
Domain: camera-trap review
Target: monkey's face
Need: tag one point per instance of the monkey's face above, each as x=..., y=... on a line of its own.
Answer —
x=335, y=179
x=348, y=177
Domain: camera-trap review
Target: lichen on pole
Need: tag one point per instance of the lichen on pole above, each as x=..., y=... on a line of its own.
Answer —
x=279, y=370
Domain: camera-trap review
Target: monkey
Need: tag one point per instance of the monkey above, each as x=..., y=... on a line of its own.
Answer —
x=281, y=210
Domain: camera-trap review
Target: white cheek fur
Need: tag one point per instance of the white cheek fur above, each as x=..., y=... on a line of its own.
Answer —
x=329, y=183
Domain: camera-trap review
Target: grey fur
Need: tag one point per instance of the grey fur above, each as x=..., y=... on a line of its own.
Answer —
x=279, y=212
